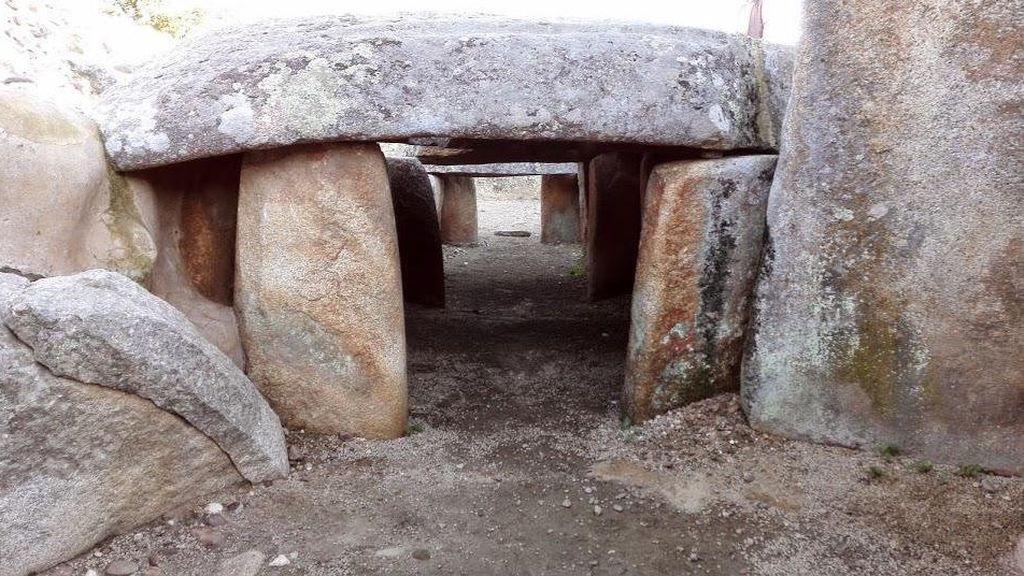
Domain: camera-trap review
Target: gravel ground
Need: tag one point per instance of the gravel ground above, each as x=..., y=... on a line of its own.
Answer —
x=517, y=463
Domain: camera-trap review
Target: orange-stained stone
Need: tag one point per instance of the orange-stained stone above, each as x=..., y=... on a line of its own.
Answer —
x=318, y=289
x=559, y=209
x=703, y=226
x=458, y=210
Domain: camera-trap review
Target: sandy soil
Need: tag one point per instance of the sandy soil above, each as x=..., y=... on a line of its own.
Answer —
x=517, y=463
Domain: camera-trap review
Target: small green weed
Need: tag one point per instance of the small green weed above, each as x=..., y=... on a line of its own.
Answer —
x=970, y=471
x=578, y=269
x=922, y=467
x=890, y=451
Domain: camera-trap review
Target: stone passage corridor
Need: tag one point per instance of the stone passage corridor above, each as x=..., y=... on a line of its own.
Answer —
x=517, y=464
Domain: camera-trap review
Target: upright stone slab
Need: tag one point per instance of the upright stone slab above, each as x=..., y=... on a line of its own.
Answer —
x=613, y=223
x=584, y=187
x=559, y=209
x=891, y=303
x=419, y=234
x=703, y=227
x=318, y=288
x=504, y=169
x=458, y=210
x=197, y=207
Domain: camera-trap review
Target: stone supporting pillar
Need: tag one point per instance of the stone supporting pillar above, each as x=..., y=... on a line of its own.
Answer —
x=613, y=223
x=582, y=182
x=458, y=210
x=890, y=308
x=196, y=206
x=435, y=187
x=419, y=235
x=559, y=209
x=318, y=288
x=703, y=230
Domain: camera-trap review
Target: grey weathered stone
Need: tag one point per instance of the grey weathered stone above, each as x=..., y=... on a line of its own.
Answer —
x=891, y=303
x=100, y=328
x=700, y=248
x=79, y=463
x=505, y=169
x=429, y=79
x=62, y=209
x=244, y=564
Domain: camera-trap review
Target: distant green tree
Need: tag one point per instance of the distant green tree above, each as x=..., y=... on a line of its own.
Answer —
x=154, y=13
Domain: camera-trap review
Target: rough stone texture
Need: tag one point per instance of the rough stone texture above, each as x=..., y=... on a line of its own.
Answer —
x=505, y=169
x=197, y=205
x=514, y=152
x=458, y=210
x=79, y=463
x=100, y=328
x=428, y=79
x=64, y=210
x=560, y=208
x=614, y=196
x=891, y=303
x=584, y=184
x=318, y=289
x=244, y=564
x=71, y=51
x=435, y=187
x=700, y=247
x=419, y=233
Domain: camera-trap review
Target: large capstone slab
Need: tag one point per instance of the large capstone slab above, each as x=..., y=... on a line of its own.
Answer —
x=431, y=79
x=101, y=328
x=891, y=303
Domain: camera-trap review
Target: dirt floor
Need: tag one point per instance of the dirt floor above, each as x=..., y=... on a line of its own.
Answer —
x=517, y=463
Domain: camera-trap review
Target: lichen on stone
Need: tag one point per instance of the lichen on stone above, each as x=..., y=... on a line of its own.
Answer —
x=136, y=252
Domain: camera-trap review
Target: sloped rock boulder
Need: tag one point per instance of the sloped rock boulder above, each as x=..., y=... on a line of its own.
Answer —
x=434, y=78
x=63, y=209
x=419, y=232
x=98, y=327
x=891, y=303
x=79, y=462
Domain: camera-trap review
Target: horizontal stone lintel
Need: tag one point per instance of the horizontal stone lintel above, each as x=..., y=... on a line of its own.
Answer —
x=446, y=79
x=507, y=169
